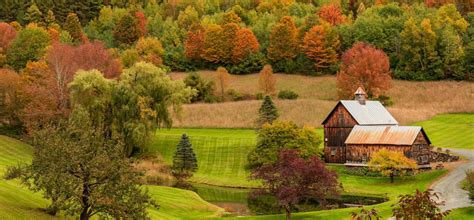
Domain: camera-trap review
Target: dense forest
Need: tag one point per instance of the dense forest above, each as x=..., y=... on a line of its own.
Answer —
x=428, y=40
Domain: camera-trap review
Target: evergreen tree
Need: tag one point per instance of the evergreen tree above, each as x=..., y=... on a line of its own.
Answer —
x=184, y=160
x=73, y=26
x=267, y=112
x=33, y=14
x=50, y=20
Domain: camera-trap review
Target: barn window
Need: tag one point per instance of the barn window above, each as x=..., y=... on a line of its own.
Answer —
x=424, y=159
x=333, y=152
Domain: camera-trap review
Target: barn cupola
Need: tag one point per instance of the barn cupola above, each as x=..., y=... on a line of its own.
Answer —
x=360, y=95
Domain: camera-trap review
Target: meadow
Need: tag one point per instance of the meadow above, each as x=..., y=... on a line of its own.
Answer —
x=222, y=156
x=412, y=101
x=17, y=202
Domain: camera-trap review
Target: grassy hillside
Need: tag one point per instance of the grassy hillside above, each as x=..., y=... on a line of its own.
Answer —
x=413, y=101
x=453, y=131
x=17, y=202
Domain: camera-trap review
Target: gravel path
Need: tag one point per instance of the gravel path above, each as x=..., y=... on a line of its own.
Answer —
x=450, y=185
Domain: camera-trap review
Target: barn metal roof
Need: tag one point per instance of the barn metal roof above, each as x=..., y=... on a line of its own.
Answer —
x=371, y=113
x=391, y=135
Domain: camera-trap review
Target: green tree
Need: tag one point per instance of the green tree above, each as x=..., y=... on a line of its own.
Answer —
x=184, y=160
x=267, y=113
x=50, y=20
x=73, y=26
x=34, y=15
x=127, y=30
x=203, y=87
x=29, y=45
x=133, y=107
x=452, y=53
x=272, y=138
x=82, y=173
x=188, y=17
x=420, y=59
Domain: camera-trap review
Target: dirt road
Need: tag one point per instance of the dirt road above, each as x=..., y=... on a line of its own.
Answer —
x=450, y=185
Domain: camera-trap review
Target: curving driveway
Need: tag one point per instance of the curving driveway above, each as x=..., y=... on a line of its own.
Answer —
x=450, y=185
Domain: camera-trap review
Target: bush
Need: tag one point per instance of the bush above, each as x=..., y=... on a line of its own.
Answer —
x=237, y=96
x=287, y=94
x=385, y=100
x=470, y=183
x=259, y=96
x=204, y=88
x=251, y=64
x=360, y=171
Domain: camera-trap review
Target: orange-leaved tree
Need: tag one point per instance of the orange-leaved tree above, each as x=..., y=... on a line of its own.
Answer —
x=321, y=44
x=283, y=40
x=245, y=44
x=332, y=13
x=366, y=66
x=266, y=80
x=391, y=163
x=222, y=81
x=229, y=36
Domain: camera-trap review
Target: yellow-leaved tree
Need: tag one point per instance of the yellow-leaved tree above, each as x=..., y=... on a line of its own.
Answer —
x=391, y=163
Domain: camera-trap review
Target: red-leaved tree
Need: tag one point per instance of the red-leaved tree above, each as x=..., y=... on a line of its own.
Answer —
x=366, y=66
x=332, y=13
x=194, y=44
x=7, y=34
x=292, y=178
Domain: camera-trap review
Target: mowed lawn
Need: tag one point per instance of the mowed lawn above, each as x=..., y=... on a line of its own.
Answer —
x=17, y=202
x=451, y=130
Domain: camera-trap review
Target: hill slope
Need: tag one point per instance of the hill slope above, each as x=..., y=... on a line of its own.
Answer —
x=17, y=202
x=413, y=101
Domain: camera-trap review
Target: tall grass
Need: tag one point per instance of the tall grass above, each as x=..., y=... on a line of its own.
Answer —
x=413, y=101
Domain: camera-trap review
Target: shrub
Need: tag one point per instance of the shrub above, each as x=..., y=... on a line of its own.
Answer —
x=204, y=87
x=237, y=96
x=470, y=183
x=259, y=96
x=287, y=94
x=253, y=63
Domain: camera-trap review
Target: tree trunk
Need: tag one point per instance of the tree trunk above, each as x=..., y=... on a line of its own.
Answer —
x=85, y=201
x=288, y=212
x=392, y=178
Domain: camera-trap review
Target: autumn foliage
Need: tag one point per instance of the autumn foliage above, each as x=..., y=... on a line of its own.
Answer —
x=365, y=66
x=194, y=44
x=391, y=163
x=222, y=81
x=7, y=34
x=332, y=14
x=245, y=44
x=266, y=80
x=283, y=40
x=320, y=44
x=292, y=178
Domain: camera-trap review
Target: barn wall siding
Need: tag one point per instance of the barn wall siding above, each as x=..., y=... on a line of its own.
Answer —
x=336, y=130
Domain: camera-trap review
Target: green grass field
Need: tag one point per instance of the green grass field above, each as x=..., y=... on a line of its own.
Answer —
x=452, y=131
x=17, y=202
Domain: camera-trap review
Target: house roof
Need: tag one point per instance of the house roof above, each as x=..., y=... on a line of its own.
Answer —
x=371, y=113
x=390, y=135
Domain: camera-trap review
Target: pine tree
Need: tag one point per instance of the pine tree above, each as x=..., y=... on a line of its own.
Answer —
x=33, y=14
x=50, y=20
x=73, y=26
x=267, y=112
x=184, y=160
